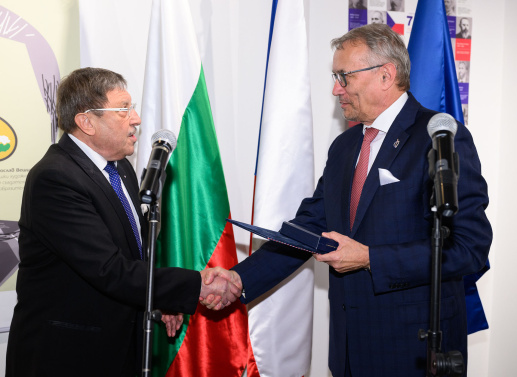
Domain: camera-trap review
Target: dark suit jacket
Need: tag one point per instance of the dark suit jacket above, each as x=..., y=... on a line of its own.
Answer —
x=378, y=314
x=81, y=285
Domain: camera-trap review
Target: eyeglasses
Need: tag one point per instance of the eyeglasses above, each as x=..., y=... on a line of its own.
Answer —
x=341, y=76
x=129, y=110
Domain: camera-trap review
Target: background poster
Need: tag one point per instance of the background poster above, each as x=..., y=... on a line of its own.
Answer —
x=400, y=14
x=34, y=57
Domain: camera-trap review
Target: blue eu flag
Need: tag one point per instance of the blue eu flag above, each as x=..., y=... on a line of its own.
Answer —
x=435, y=85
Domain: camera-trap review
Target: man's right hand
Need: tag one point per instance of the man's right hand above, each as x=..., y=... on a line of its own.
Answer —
x=219, y=288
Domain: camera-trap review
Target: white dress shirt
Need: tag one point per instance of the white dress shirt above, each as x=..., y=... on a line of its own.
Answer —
x=383, y=124
x=101, y=163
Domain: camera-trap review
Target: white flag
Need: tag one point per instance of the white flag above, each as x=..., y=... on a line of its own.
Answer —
x=280, y=324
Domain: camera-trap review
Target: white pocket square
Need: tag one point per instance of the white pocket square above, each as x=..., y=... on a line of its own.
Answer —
x=385, y=177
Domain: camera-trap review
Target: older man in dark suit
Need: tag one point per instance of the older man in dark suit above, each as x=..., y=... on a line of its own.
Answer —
x=82, y=275
x=374, y=199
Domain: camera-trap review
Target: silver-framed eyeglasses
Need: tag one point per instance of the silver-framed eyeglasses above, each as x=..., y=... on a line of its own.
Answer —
x=341, y=76
x=129, y=110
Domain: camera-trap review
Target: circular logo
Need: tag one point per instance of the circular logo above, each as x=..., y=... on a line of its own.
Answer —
x=8, y=140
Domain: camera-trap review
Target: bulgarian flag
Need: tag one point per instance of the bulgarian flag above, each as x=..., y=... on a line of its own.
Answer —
x=194, y=233
x=280, y=322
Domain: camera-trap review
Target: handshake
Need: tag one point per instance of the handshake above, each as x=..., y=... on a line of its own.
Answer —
x=219, y=288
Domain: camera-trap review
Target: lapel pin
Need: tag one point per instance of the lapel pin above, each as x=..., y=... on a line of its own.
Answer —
x=396, y=144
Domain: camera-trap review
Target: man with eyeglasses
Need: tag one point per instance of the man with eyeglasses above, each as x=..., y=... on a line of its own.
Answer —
x=82, y=275
x=379, y=276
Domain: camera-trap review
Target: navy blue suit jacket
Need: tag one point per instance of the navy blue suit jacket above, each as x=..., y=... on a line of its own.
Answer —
x=377, y=313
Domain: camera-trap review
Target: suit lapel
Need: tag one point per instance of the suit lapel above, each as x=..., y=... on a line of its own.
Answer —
x=96, y=176
x=391, y=146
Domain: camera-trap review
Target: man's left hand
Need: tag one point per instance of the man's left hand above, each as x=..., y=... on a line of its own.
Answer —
x=173, y=323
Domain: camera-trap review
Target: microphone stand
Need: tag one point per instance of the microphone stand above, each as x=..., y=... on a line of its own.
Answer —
x=438, y=364
x=152, y=182
x=150, y=315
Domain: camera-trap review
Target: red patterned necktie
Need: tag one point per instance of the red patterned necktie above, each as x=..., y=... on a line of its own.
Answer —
x=361, y=171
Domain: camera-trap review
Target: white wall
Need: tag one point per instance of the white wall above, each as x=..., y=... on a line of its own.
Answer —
x=233, y=42
x=501, y=160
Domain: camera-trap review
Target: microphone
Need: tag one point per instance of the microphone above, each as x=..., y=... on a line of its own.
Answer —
x=153, y=177
x=444, y=163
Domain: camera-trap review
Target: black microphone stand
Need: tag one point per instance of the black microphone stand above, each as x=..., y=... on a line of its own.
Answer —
x=438, y=363
x=150, y=315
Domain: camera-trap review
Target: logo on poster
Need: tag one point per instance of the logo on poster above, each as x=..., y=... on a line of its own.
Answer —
x=8, y=140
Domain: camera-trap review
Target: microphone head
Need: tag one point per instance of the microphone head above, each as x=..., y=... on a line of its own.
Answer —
x=165, y=136
x=442, y=122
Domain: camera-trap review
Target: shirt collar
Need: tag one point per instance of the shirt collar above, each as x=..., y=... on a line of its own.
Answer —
x=387, y=117
x=96, y=158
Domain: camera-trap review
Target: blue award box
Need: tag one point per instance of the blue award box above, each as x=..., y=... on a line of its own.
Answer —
x=292, y=235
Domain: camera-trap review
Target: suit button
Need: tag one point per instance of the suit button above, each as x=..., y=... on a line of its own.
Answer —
x=344, y=307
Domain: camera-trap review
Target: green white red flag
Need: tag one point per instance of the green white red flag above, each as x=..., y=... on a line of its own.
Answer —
x=194, y=233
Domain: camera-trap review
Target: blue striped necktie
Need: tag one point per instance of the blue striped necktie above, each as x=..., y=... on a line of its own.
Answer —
x=117, y=186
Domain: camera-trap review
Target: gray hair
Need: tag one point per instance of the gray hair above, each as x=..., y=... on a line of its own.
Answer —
x=84, y=89
x=385, y=46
